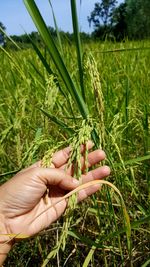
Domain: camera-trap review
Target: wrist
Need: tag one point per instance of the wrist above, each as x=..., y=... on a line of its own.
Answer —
x=4, y=250
x=6, y=242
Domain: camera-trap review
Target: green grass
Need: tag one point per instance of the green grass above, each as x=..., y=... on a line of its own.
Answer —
x=97, y=235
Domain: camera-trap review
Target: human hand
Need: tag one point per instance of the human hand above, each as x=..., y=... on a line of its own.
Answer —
x=21, y=198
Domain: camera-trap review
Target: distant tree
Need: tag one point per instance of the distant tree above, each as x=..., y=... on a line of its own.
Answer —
x=35, y=37
x=2, y=37
x=138, y=18
x=102, y=13
x=101, y=16
x=102, y=33
x=52, y=31
x=16, y=38
x=119, y=21
x=84, y=36
x=24, y=39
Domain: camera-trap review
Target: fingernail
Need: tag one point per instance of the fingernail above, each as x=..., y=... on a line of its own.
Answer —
x=106, y=170
x=76, y=182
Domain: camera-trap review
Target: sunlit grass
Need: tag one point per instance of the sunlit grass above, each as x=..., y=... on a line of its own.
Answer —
x=98, y=225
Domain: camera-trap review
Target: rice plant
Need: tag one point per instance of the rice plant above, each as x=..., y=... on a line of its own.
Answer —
x=51, y=104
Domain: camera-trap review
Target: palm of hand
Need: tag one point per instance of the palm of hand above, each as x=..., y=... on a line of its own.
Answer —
x=22, y=206
x=22, y=196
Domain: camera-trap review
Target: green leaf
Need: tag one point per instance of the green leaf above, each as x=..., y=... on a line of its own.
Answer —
x=38, y=52
x=133, y=161
x=58, y=122
x=89, y=257
x=9, y=173
x=146, y=263
x=78, y=44
x=56, y=28
x=15, y=44
x=85, y=240
x=57, y=59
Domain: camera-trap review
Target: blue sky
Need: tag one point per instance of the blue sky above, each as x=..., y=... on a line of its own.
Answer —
x=14, y=15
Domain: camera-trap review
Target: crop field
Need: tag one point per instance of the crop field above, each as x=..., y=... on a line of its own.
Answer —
x=37, y=115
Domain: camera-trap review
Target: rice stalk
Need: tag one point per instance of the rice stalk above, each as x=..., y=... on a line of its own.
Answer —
x=51, y=94
x=82, y=136
x=92, y=74
x=83, y=186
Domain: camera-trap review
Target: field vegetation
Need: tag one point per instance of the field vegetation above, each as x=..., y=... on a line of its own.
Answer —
x=26, y=134
x=39, y=116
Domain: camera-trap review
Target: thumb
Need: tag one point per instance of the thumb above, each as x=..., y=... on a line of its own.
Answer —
x=50, y=176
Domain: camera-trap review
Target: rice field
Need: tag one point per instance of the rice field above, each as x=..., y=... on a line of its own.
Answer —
x=37, y=115
x=65, y=94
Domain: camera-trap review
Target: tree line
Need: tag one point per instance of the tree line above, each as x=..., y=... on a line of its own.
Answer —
x=130, y=19
x=24, y=40
x=110, y=20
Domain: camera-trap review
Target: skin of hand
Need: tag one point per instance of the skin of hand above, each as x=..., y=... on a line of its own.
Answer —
x=21, y=198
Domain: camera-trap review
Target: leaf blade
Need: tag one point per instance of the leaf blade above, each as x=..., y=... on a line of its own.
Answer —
x=57, y=59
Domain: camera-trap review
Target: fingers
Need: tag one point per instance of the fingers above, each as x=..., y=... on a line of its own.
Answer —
x=36, y=164
x=94, y=157
x=85, y=193
x=40, y=177
x=61, y=157
x=55, y=177
x=97, y=174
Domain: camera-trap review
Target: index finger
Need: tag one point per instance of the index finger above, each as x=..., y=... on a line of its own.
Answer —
x=61, y=157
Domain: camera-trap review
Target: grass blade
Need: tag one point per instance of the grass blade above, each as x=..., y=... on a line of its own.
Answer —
x=58, y=122
x=146, y=263
x=38, y=52
x=11, y=39
x=58, y=61
x=78, y=44
x=56, y=28
x=89, y=257
x=133, y=161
